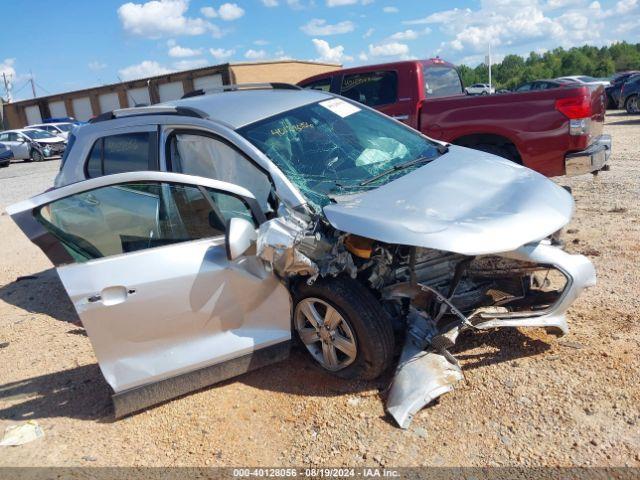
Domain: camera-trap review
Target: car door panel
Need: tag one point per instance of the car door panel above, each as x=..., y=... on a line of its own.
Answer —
x=185, y=307
x=157, y=313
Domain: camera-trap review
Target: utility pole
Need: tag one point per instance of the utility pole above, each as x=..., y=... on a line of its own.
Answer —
x=7, y=87
x=33, y=84
x=489, y=65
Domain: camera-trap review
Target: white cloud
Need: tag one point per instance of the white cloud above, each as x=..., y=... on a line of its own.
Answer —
x=391, y=49
x=209, y=12
x=146, y=68
x=390, y=10
x=260, y=43
x=221, y=53
x=181, y=52
x=410, y=34
x=227, y=12
x=190, y=64
x=6, y=67
x=270, y=3
x=230, y=11
x=363, y=57
x=318, y=27
x=625, y=6
x=157, y=18
x=330, y=54
x=440, y=17
x=519, y=26
x=344, y=3
x=94, y=66
x=368, y=33
x=252, y=54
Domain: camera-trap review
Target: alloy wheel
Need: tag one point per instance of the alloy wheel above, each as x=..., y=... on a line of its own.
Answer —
x=326, y=334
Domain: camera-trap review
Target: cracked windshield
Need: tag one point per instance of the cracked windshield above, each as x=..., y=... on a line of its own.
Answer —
x=333, y=147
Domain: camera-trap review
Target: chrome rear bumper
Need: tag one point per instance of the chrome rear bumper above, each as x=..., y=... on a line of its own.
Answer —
x=591, y=160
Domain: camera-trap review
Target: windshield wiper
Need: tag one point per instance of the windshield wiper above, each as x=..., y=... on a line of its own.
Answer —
x=395, y=168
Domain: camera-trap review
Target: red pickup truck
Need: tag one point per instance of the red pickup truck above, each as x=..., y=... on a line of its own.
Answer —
x=556, y=131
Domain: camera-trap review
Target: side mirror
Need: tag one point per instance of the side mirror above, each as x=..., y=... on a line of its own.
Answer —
x=240, y=237
x=21, y=140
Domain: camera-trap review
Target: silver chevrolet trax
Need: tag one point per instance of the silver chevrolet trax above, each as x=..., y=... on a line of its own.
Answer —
x=197, y=237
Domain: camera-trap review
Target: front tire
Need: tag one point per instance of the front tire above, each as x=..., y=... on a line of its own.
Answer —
x=35, y=156
x=631, y=105
x=343, y=327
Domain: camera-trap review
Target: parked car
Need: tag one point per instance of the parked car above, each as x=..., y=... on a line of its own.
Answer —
x=5, y=155
x=33, y=145
x=586, y=80
x=479, y=89
x=555, y=132
x=195, y=237
x=629, y=93
x=57, y=129
x=613, y=90
x=544, y=84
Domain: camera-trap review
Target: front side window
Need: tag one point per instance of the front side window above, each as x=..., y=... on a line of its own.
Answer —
x=129, y=152
x=332, y=146
x=4, y=137
x=371, y=88
x=208, y=157
x=441, y=81
x=322, y=85
x=135, y=216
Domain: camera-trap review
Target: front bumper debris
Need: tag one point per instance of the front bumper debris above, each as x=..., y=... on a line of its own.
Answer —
x=591, y=160
x=427, y=370
x=421, y=376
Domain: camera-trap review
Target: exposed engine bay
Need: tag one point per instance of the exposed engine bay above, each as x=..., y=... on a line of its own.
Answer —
x=431, y=295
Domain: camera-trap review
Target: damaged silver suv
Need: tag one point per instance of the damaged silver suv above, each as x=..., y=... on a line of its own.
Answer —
x=196, y=237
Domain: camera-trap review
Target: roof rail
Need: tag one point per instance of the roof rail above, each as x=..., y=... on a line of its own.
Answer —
x=243, y=86
x=150, y=110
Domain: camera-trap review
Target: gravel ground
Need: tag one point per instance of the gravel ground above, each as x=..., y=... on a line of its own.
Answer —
x=24, y=179
x=528, y=399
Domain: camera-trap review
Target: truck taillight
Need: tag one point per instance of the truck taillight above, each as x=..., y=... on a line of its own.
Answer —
x=574, y=107
x=579, y=126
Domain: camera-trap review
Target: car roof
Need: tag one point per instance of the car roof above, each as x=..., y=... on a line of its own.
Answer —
x=242, y=107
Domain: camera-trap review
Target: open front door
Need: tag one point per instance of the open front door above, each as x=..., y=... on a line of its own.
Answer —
x=142, y=256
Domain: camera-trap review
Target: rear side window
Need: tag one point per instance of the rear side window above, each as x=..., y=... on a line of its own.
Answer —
x=129, y=152
x=443, y=81
x=323, y=85
x=371, y=88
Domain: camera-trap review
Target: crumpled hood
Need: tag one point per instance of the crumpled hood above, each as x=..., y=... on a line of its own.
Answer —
x=466, y=201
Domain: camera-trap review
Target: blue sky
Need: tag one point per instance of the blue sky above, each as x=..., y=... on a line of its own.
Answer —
x=79, y=43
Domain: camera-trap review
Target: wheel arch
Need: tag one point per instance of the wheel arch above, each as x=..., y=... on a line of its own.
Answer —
x=474, y=139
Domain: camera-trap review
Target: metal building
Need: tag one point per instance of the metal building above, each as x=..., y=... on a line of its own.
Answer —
x=87, y=103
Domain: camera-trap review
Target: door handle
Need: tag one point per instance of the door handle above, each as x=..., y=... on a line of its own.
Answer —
x=112, y=295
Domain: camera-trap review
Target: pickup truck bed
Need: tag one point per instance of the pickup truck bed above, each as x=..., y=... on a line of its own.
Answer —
x=555, y=132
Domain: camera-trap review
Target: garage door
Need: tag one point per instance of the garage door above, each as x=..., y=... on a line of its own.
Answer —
x=108, y=102
x=57, y=109
x=170, y=91
x=33, y=114
x=138, y=96
x=82, y=108
x=205, y=83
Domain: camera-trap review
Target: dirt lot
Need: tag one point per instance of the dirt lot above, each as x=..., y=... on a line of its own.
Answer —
x=529, y=399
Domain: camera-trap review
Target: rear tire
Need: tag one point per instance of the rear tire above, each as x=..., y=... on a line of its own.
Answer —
x=631, y=104
x=368, y=326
